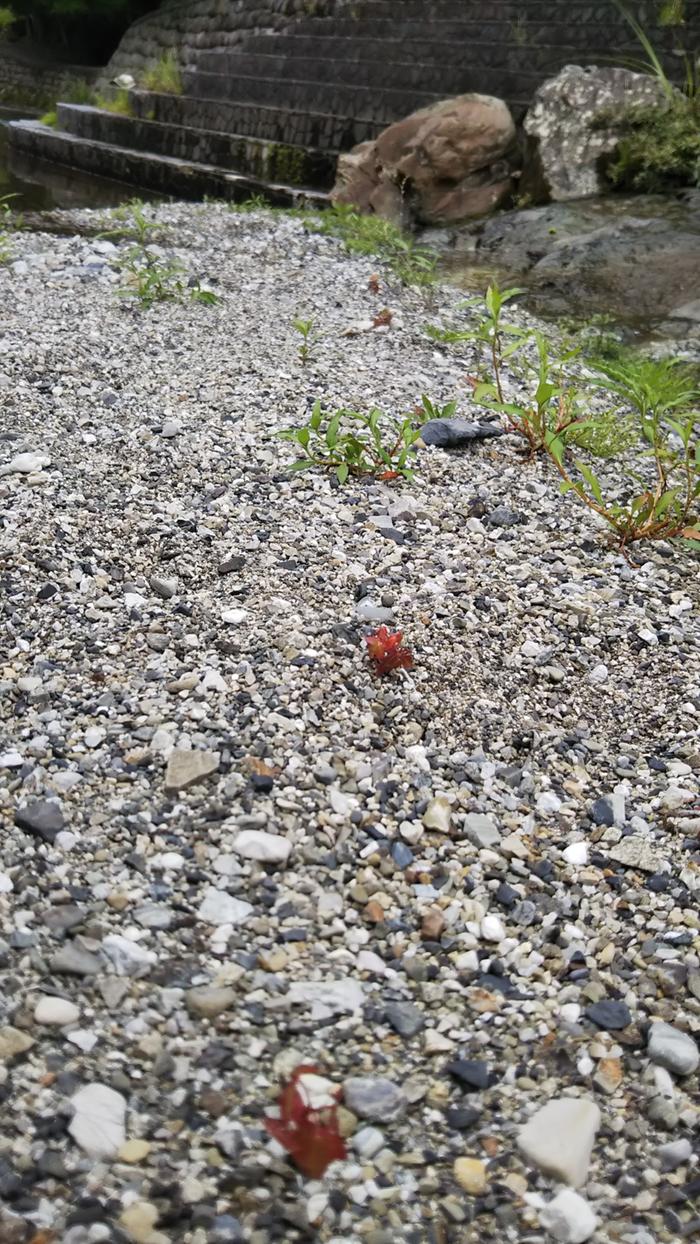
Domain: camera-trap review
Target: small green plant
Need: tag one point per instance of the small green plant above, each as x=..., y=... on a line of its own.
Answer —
x=672, y=13
x=77, y=91
x=164, y=78
x=134, y=223
x=7, y=19
x=309, y=339
x=412, y=263
x=118, y=103
x=9, y=221
x=155, y=278
x=667, y=508
x=431, y=410
x=658, y=148
x=256, y=203
x=49, y=119
x=349, y=443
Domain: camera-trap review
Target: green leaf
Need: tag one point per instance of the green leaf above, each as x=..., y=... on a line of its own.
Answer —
x=303, y=435
x=302, y=464
x=666, y=501
x=591, y=480
x=342, y=472
x=566, y=486
x=332, y=430
x=485, y=390
x=316, y=417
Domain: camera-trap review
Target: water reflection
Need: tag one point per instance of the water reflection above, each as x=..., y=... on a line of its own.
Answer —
x=40, y=186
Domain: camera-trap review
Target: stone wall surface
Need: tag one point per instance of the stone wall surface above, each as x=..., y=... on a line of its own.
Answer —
x=189, y=26
x=23, y=79
x=508, y=46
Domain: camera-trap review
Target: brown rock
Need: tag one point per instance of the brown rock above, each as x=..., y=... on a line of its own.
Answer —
x=374, y=912
x=451, y=161
x=432, y=925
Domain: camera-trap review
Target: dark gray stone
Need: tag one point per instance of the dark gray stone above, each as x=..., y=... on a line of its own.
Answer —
x=404, y=1017
x=602, y=813
x=41, y=817
x=456, y=433
x=609, y=1014
x=472, y=1073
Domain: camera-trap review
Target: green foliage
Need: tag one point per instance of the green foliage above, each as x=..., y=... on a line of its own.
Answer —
x=156, y=278
x=133, y=223
x=119, y=103
x=9, y=221
x=659, y=147
x=309, y=339
x=164, y=77
x=7, y=19
x=652, y=387
x=256, y=203
x=671, y=13
x=371, y=235
x=431, y=410
x=349, y=443
x=49, y=119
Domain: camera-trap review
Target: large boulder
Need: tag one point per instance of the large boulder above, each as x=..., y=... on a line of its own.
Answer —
x=449, y=162
x=574, y=124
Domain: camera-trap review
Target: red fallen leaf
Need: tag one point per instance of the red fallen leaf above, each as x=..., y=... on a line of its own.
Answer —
x=387, y=652
x=691, y=533
x=309, y=1134
x=387, y=475
x=373, y=285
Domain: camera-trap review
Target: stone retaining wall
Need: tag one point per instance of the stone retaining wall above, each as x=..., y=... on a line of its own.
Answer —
x=189, y=26
x=23, y=81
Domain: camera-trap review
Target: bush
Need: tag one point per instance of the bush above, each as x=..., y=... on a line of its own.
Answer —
x=659, y=147
x=7, y=19
x=164, y=77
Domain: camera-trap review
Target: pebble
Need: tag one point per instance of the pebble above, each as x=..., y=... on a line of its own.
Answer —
x=41, y=817
x=404, y=1017
x=255, y=844
x=134, y=1151
x=370, y=1097
x=470, y=1174
x=210, y=1001
x=218, y=907
x=675, y=1050
x=99, y=1118
x=609, y=1014
x=14, y=1042
x=56, y=1011
x=568, y=1218
x=187, y=768
x=438, y=815
x=481, y=830
x=559, y=1138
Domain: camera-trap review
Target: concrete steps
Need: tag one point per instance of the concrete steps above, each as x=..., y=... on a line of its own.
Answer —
x=299, y=128
x=264, y=161
x=186, y=179
x=366, y=102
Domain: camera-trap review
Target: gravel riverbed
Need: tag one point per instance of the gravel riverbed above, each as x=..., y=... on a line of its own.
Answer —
x=467, y=894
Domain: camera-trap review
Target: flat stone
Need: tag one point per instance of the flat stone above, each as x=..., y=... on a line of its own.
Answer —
x=602, y=813
x=456, y=433
x=404, y=1017
x=13, y=1042
x=481, y=830
x=675, y=1050
x=609, y=1014
x=56, y=1011
x=140, y=1218
x=218, y=907
x=674, y=1154
x=99, y=1118
x=186, y=768
x=41, y=817
x=326, y=998
x=370, y=1097
x=470, y=1174
x=127, y=957
x=559, y=1138
x=568, y=1218
x=472, y=1073
x=72, y=960
x=210, y=1001
x=637, y=852
x=255, y=844
x=438, y=815
x=134, y=1151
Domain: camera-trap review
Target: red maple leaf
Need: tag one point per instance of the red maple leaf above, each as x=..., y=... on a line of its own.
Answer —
x=387, y=652
x=309, y=1134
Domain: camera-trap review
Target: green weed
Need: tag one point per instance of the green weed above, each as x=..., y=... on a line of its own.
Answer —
x=412, y=263
x=349, y=443
x=164, y=77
